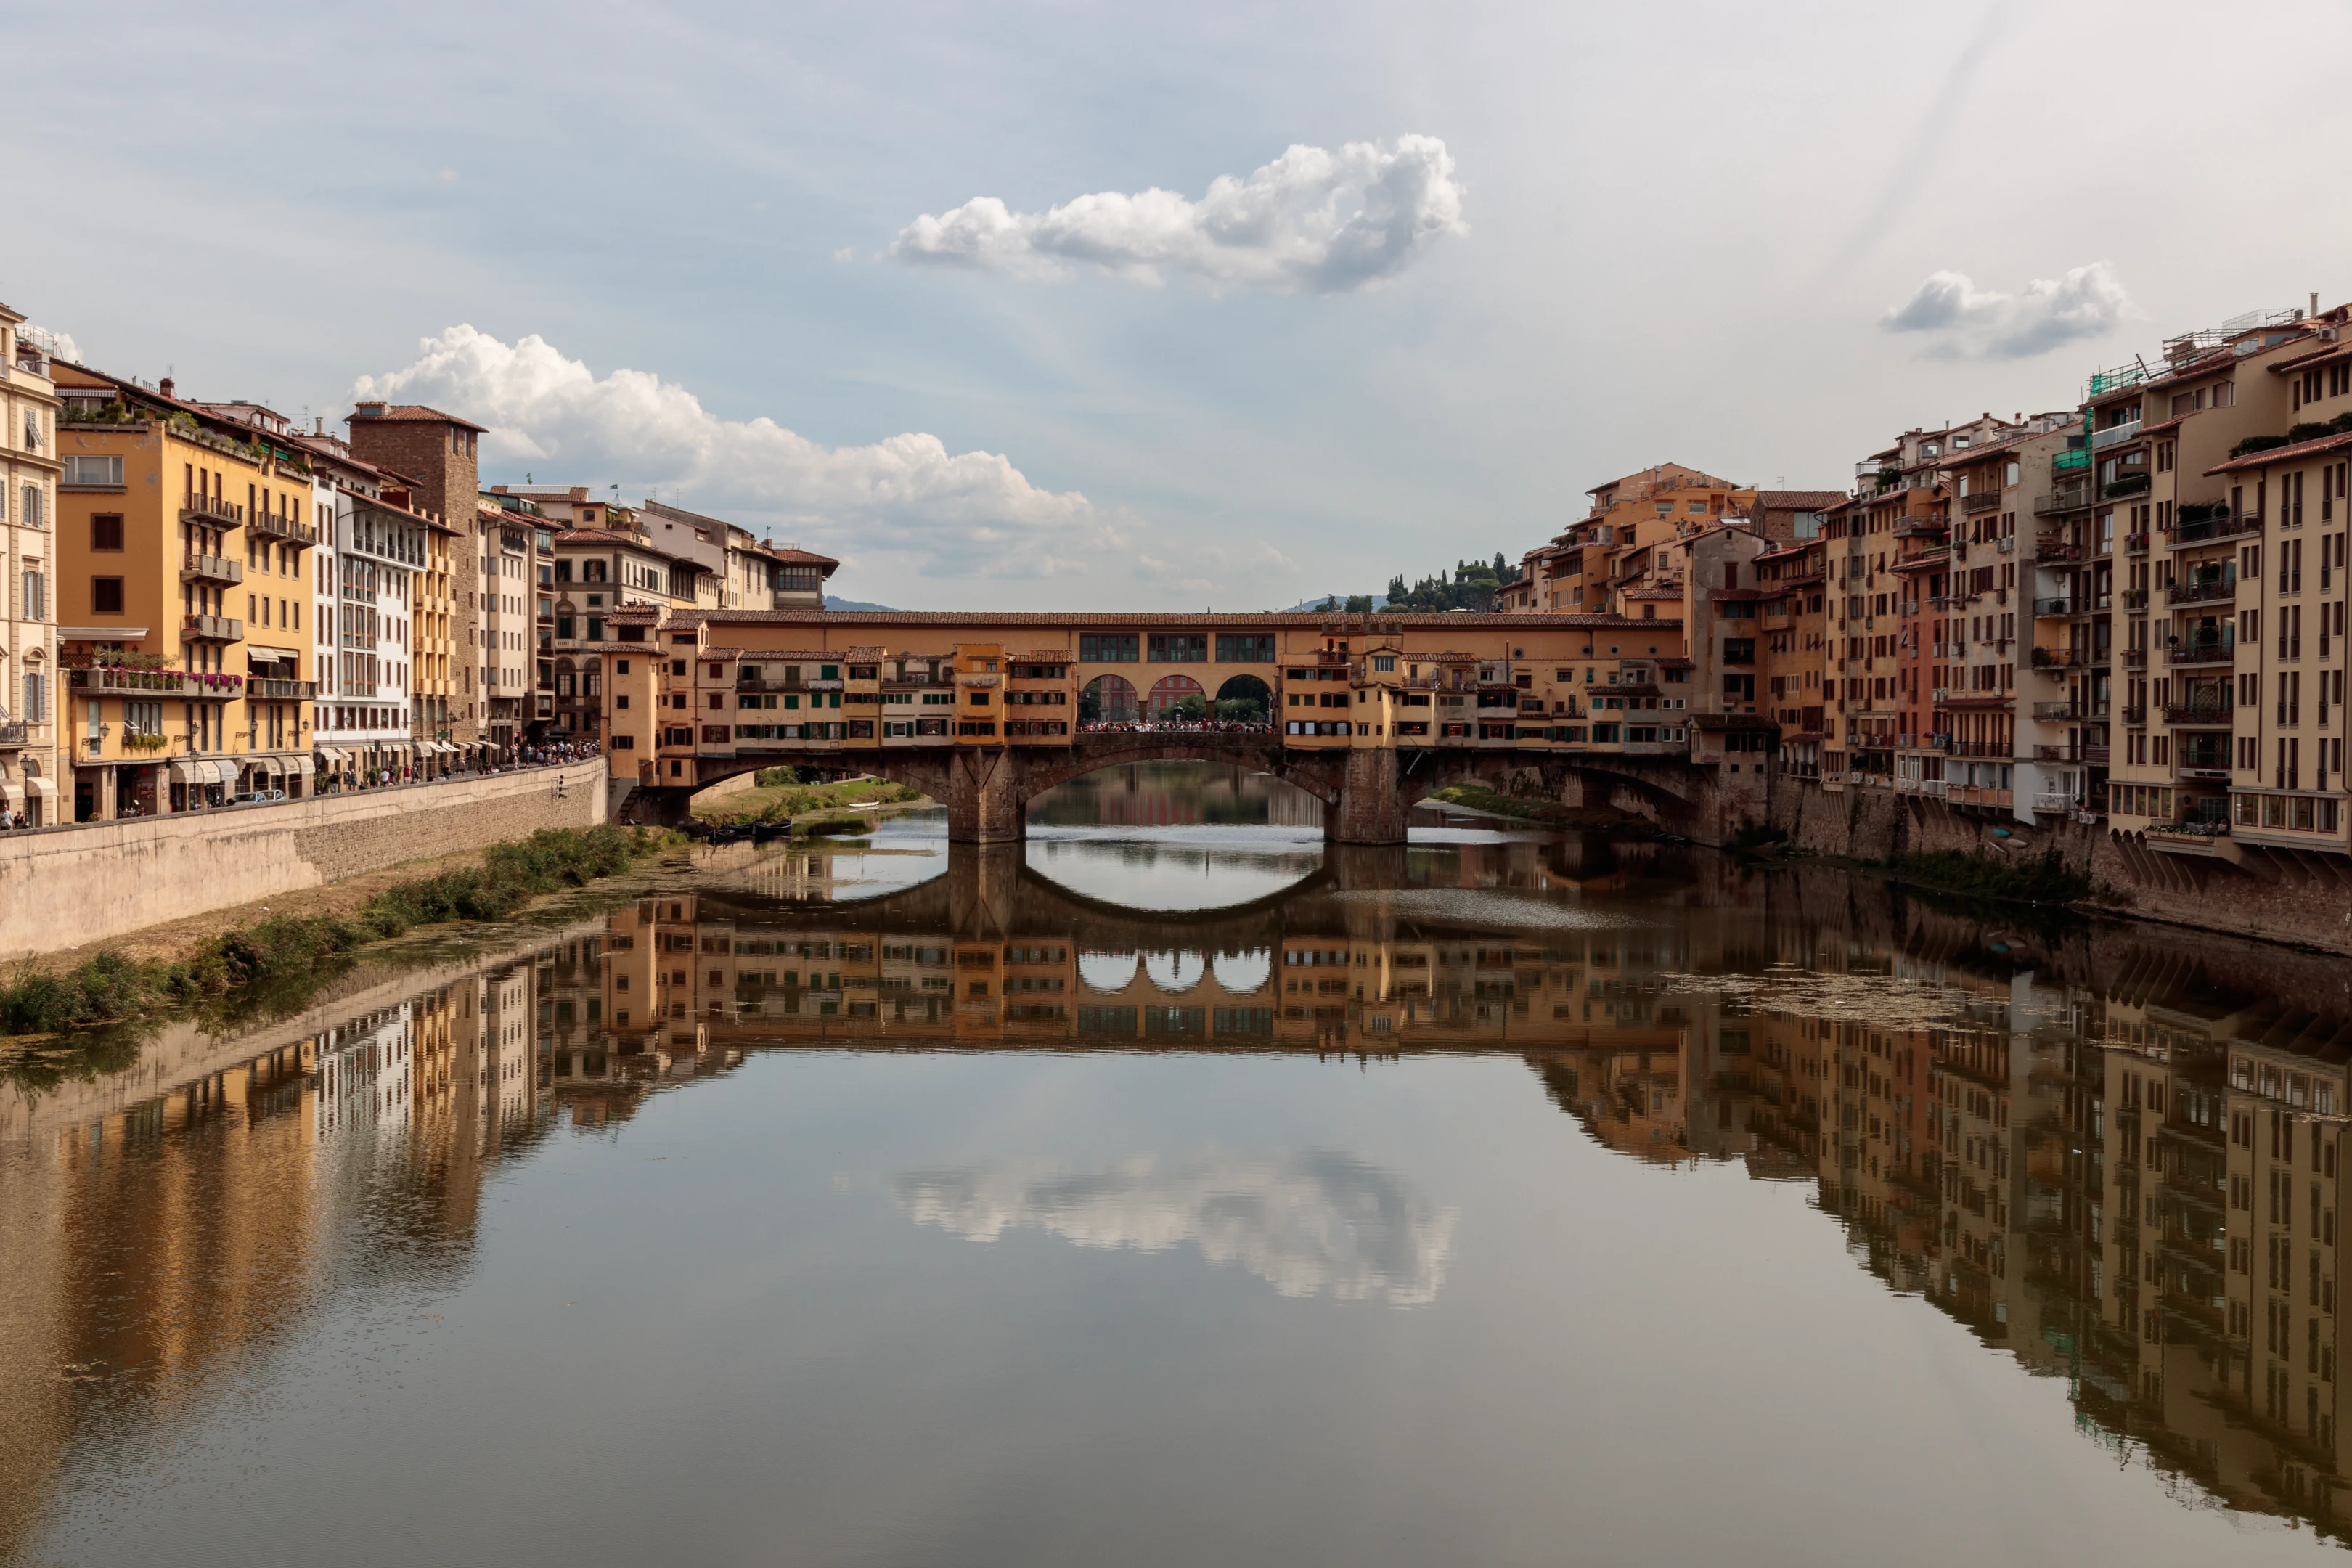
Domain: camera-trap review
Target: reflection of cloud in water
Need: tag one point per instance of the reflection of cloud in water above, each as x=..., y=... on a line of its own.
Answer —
x=1307, y=1223
x=1884, y=1001
x=1189, y=869
x=1493, y=907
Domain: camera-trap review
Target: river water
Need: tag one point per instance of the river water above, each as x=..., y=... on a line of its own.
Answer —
x=1172, y=1190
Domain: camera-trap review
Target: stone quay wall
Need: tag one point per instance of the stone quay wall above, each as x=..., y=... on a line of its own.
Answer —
x=2305, y=900
x=64, y=886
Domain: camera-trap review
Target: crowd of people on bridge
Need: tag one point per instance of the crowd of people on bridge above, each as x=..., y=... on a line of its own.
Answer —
x=1171, y=724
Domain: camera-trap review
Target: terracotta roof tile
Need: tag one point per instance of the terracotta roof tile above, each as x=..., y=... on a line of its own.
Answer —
x=418, y=413
x=2292, y=453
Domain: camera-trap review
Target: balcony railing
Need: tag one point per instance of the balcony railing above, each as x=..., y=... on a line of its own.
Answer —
x=2053, y=606
x=2220, y=650
x=2221, y=588
x=2059, y=553
x=270, y=525
x=14, y=731
x=2207, y=529
x=2134, y=658
x=2061, y=713
x=2136, y=543
x=278, y=690
x=1983, y=500
x=211, y=569
x=154, y=683
x=2136, y=717
x=2115, y=435
x=213, y=629
x=2070, y=498
x=209, y=510
x=2061, y=659
x=2200, y=715
x=2093, y=756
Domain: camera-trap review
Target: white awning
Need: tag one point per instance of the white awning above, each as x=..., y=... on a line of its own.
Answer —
x=305, y=767
x=274, y=766
x=218, y=772
x=186, y=770
x=271, y=655
x=12, y=794
x=333, y=754
x=46, y=788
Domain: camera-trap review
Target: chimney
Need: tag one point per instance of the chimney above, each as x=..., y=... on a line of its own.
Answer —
x=2315, y=302
x=320, y=426
x=165, y=387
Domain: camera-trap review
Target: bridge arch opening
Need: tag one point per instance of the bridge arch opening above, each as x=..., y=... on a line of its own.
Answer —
x=1244, y=699
x=1179, y=697
x=1109, y=699
x=1243, y=974
x=1110, y=972
x=1175, y=972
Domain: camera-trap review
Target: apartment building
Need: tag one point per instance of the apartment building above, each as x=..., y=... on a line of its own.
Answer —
x=517, y=575
x=181, y=700
x=34, y=469
x=440, y=454
x=1623, y=543
x=1792, y=604
x=749, y=573
x=2228, y=470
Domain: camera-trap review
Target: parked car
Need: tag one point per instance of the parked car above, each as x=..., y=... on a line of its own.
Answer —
x=258, y=797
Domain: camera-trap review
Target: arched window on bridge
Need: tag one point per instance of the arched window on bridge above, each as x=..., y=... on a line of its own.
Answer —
x=1107, y=700
x=1246, y=700
x=1179, y=696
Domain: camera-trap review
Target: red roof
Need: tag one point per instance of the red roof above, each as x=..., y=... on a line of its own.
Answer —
x=412, y=413
x=2294, y=452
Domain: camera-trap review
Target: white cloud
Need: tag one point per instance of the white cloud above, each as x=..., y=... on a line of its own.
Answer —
x=946, y=513
x=1312, y=221
x=2087, y=302
x=1311, y=1223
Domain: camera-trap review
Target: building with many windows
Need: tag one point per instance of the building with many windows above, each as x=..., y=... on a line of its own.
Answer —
x=29, y=477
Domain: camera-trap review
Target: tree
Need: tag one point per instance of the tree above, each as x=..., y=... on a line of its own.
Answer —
x=1359, y=604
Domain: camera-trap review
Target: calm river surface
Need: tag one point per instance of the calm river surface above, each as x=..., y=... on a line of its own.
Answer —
x=1172, y=1190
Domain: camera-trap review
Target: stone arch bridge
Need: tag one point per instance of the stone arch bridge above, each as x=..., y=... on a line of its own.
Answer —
x=1366, y=791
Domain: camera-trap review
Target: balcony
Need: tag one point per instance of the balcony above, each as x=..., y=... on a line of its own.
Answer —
x=2090, y=756
x=2134, y=658
x=2136, y=717
x=1983, y=500
x=2071, y=461
x=2136, y=543
x=2207, y=528
x=212, y=512
x=2069, y=498
x=2219, y=590
x=211, y=569
x=269, y=525
x=2222, y=650
x=2205, y=767
x=1919, y=528
x=151, y=684
x=2058, y=553
x=2200, y=715
x=2061, y=659
x=2061, y=713
x=211, y=628
x=281, y=690
x=2113, y=435
x=2053, y=606
x=2055, y=801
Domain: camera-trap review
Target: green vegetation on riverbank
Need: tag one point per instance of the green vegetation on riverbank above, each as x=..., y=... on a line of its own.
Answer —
x=292, y=948
x=2044, y=878
x=777, y=795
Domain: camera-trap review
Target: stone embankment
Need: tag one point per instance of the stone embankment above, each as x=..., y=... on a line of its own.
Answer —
x=2275, y=897
x=65, y=887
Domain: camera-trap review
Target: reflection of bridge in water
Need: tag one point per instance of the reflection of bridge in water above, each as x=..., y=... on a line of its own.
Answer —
x=1978, y=1107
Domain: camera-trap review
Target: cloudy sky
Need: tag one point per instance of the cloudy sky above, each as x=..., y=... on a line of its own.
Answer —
x=1067, y=306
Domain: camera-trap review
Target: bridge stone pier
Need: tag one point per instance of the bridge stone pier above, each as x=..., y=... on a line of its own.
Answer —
x=1368, y=714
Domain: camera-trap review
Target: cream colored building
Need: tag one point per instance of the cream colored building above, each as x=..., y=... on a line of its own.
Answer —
x=29, y=697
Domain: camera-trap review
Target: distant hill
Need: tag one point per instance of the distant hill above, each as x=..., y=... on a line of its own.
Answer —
x=833, y=603
x=1380, y=600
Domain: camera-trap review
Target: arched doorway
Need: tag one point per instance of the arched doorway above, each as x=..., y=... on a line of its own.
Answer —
x=1107, y=700
x=1246, y=700
x=1179, y=697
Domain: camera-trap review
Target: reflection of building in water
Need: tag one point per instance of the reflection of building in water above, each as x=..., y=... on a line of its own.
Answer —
x=1176, y=795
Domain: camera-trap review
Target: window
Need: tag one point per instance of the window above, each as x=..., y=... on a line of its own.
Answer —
x=1107, y=648
x=105, y=471
x=29, y=513
x=105, y=531
x=36, y=602
x=1244, y=647
x=36, y=699
x=1179, y=647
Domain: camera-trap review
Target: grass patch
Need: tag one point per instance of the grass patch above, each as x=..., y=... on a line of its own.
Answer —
x=2043, y=878
x=777, y=793
x=289, y=953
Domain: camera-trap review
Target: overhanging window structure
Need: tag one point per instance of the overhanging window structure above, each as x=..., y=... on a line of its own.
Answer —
x=1179, y=647
x=1107, y=647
